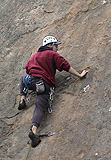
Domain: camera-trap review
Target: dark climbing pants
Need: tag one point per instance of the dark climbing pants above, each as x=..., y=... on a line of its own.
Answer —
x=41, y=101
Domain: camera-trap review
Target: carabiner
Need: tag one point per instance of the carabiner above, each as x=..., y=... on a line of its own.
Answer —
x=50, y=110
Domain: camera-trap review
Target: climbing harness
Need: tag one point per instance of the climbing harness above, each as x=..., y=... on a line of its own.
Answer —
x=51, y=99
x=48, y=134
x=40, y=88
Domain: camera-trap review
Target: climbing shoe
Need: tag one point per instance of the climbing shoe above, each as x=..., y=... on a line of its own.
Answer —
x=22, y=105
x=34, y=138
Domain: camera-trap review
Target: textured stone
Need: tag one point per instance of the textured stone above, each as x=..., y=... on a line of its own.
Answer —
x=81, y=120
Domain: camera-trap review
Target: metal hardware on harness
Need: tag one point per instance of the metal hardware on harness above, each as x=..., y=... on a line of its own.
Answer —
x=27, y=82
x=26, y=91
x=51, y=100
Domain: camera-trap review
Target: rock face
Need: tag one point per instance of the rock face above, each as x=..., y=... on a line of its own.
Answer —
x=81, y=114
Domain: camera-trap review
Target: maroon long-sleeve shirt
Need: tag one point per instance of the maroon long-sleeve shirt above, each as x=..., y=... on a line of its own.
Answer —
x=44, y=64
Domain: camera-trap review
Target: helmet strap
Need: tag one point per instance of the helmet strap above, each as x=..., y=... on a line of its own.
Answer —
x=51, y=46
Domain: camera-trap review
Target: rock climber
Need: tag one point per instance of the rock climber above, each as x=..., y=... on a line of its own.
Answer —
x=41, y=69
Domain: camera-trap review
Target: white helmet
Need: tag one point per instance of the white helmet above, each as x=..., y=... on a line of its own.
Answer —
x=50, y=39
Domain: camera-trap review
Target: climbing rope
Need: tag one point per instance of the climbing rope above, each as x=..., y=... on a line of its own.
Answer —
x=28, y=152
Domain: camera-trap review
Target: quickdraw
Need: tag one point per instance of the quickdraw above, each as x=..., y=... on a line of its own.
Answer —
x=42, y=135
x=47, y=134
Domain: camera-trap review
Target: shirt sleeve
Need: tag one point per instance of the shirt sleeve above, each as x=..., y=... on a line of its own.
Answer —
x=61, y=63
